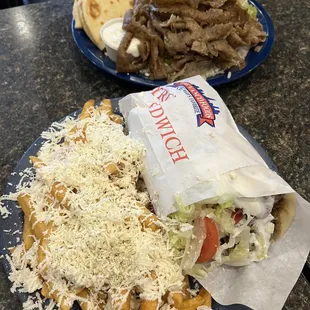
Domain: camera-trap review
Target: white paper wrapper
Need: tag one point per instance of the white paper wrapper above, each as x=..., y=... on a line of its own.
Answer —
x=267, y=284
x=195, y=150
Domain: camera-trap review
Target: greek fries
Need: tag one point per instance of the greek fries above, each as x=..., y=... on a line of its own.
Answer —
x=88, y=232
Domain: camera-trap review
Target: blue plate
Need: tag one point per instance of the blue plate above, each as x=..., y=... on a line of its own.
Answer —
x=253, y=59
x=10, y=238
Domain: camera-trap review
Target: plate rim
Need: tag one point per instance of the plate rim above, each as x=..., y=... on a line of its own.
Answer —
x=213, y=81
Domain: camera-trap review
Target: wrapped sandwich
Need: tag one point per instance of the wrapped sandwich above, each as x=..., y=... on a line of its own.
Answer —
x=201, y=171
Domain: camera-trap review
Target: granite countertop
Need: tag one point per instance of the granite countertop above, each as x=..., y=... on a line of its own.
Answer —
x=44, y=77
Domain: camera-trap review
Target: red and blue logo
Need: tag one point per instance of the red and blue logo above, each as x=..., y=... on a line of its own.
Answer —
x=203, y=106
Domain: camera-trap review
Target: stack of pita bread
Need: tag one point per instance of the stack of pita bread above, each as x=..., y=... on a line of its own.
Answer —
x=90, y=15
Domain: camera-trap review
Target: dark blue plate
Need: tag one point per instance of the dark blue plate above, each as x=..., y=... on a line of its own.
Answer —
x=9, y=237
x=253, y=59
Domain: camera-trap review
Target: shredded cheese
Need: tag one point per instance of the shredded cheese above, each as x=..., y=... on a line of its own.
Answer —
x=99, y=243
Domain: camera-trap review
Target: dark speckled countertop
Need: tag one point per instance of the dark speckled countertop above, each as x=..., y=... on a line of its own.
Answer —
x=44, y=77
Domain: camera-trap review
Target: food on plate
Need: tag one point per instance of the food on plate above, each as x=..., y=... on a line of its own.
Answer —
x=237, y=232
x=90, y=15
x=88, y=233
x=184, y=38
x=201, y=171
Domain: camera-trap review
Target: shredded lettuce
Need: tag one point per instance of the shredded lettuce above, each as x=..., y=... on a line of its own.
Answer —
x=184, y=213
x=223, y=217
x=198, y=271
x=226, y=205
x=252, y=11
x=177, y=240
x=241, y=250
x=262, y=250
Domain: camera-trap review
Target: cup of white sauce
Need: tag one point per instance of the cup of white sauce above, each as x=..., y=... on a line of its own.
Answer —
x=112, y=34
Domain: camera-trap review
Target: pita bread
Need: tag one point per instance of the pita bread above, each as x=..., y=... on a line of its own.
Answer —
x=97, y=12
x=80, y=13
x=76, y=16
x=284, y=212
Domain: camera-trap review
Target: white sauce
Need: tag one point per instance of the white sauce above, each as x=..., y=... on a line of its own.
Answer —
x=113, y=35
x=259, y=207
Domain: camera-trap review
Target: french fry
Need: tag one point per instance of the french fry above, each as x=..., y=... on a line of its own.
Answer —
x=27, y=233
x=12, y=250
x=149, y=305
x=60, y=300
x=84, y=294
x=45, y=291
x=37, y=162
x=177, y=299
x=192, y=303
x=105, y=107
x=64, y=305
x=126, y=304
x=148, y=219
x=206, y=296
x=80, y=138
x=116, y=119
x=111, y=168
x=87, y=110
x=80, y=290
x=59, y=192
x=24, y=200
x=41, y=255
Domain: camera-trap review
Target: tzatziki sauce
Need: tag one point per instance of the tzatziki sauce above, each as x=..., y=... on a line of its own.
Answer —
x=112, y=34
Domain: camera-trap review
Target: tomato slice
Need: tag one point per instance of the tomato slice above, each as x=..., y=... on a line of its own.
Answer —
x=211, y=241
x=237, y=215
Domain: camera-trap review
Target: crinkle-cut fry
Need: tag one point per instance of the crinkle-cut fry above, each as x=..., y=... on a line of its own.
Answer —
x=149, y=305
x=37, y=162
x=24, y=200
x=105, y=107
x=59, y=191
x=88, y=109
x=27, y=233
x=148, y=219
x=192, y=303
x=111, y=168
x=116, y=119
x=206, y=296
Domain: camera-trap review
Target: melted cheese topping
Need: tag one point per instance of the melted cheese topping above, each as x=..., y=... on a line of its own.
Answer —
x=99, y=243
